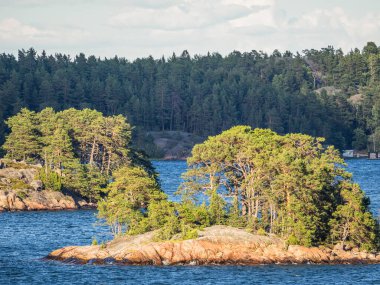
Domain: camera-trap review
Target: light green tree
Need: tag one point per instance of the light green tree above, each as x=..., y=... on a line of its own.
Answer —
x=23, y=141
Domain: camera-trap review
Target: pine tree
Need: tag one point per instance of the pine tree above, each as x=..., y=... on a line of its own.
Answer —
x=23, y=141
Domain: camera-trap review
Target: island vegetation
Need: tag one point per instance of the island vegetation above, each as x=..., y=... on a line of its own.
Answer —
x=78, y=150
x=261, y=177
x=244, y=188
x=289, y=186
x=323, y=93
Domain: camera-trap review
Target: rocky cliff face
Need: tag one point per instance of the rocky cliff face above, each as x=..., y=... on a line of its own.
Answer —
x=215, y=245
x=21, y=191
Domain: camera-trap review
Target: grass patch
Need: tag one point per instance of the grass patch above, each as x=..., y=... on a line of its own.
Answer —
x=18, y=184
x=22, y=195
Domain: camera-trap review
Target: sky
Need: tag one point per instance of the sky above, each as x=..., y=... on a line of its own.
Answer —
x=140, y=28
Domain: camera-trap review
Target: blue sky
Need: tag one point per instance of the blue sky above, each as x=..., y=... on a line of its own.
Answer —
x=139, y=28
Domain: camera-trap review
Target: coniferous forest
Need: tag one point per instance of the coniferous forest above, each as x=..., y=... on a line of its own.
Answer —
x=324, y=93
x=289, y=185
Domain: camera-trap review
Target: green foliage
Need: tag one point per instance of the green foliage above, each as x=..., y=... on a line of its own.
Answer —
x=78, y=149
x=188, y=233
x=91, y=182
x=292, y=240
x=352, y=222
x=261, y=232
x=359, y=140
x=202, y=94
x=94, y=241
x=169, y=229
x=22, y=195
x=291, y=186
x=288, y=185
x=135, y=204
x=51, y=180
x=217, y=208
x=128, y=199
x=22, y=143
x=234, y=217
x=19, y=184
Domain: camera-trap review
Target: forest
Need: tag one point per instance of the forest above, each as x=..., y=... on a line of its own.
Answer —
x=269, y=184
x=290, y=185
x=324, y=93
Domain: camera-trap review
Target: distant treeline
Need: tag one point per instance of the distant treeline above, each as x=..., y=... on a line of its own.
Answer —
x=207, y=94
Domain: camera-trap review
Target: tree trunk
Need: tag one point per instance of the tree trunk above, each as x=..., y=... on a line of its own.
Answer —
x=257, y=208
x=109, y=162
x=46, y=163
x=243, y=205
x=92, y=152
x=103, y=160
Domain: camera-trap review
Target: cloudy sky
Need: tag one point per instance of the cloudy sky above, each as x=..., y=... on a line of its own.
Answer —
x=139, y=28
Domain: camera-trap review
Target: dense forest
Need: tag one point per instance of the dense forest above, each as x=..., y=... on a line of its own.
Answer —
x=287, y=185
x=207, y=94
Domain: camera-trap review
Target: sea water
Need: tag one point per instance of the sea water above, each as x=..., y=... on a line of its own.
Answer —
x=27, y=237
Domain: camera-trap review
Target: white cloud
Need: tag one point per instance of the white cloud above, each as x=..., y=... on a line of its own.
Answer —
x=11, y=28
x=333, y=27
x=138, y=28
x=263, y=18
x=250, y=3
x=186, y=15
x=14, y=32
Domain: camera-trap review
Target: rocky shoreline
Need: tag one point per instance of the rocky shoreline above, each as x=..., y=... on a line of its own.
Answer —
x=44, y=200
x=21, y=191
x=215, y=245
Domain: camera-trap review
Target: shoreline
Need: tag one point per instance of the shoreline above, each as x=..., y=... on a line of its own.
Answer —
x=45, y=200
x=50, y=210
x=216, y=245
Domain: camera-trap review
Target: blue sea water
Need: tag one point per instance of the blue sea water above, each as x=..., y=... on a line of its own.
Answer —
x=26, y=237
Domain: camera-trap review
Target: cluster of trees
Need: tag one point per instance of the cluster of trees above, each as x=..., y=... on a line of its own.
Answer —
x=135, y=204
x=208, y=94
x=79, y=149
x=290, y=186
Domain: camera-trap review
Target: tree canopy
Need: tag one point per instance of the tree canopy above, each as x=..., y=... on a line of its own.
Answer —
x=78, y=149
x=208, y=94
x=285, y=185
x=291, y=186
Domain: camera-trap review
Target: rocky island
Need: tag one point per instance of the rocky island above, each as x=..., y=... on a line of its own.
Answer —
x=215, y=245
x=267, y=199
x=22, y=190
x=61, y=160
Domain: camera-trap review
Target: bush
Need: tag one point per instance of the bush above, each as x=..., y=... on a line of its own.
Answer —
x=292, y=240
x=167, y=231
x=189, y=233
x=51, y=180
x=261, y=232
x=94, y=241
